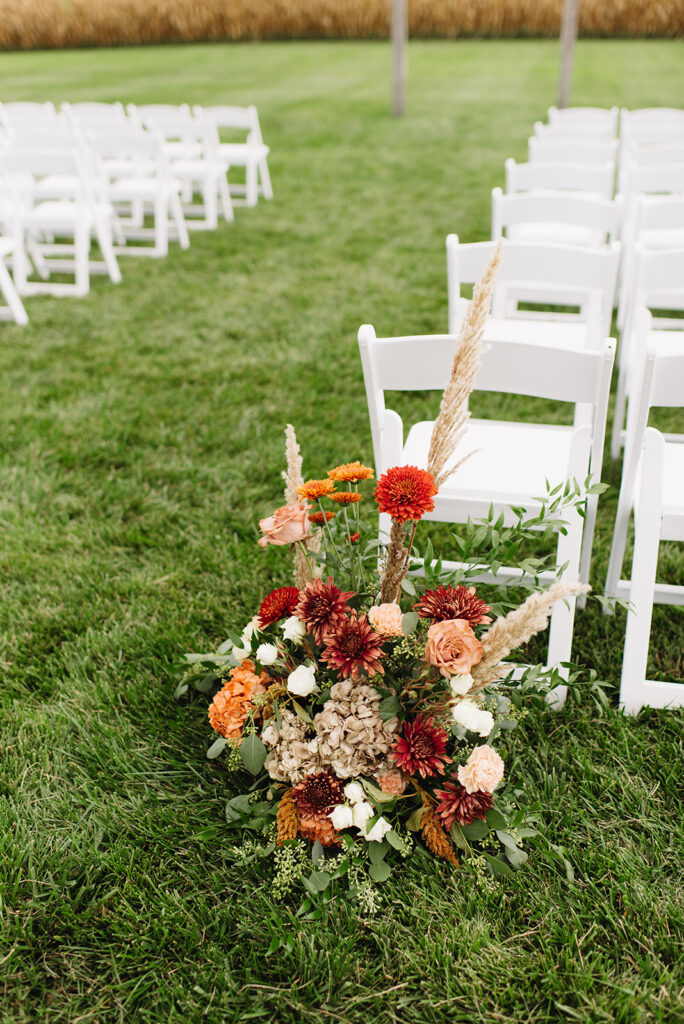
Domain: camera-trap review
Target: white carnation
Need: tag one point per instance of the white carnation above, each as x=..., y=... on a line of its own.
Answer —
x=342, y=816
x=240, y=653
x=267, y=654
x=361, y=813
x=377, y=833
x=473, y=718
x=302, y=681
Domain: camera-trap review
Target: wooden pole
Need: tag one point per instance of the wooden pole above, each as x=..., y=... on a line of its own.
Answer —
x=567, y=40
x=399, y=36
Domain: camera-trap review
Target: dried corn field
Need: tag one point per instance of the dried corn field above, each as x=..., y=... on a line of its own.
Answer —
x=55, y=24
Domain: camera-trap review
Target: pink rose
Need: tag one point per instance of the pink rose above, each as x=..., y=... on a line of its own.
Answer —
x=483, y=770
x=286, y=525
x=452, y=647
x=386, y=619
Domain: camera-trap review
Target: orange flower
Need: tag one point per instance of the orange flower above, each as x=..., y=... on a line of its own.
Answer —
x=319, y=829
x=286, y=525
x=345, y=497
x=312, y=490
x=350, y=473
x=405, y=492
x=317, y=518
x=228, y=710
x=452, y=647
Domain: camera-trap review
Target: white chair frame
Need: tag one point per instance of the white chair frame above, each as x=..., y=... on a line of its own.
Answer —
x=251, y=154
x=557, y=216
x=593, y=179
x=555, y=150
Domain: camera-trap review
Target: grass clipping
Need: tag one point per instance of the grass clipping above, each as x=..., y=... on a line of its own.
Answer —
x=452, y=420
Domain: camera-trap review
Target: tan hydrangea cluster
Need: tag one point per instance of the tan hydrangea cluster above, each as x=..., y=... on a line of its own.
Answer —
x=348, y=736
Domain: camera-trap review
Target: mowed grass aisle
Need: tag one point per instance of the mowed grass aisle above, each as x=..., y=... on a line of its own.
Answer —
x=140, y=440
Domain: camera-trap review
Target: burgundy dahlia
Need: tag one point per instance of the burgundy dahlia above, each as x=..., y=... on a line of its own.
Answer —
x=353, y=648
x=279, y=604
x=457, y=804
x=322, y=606
x=453, y=603
x=317, y=794
x=422, y=748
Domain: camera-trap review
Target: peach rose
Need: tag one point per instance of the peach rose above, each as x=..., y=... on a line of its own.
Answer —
x=483, y=770
x=391, y=781
x=452, y=647
x=386, y=619
x=286, y=525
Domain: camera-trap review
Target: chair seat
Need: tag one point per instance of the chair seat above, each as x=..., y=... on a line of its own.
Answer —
x=198, y=168
x=511, y=461
x=558, y=232
x=183, y=150
x=57, y=186
x=126, y=167
x=147, y=189
x=537, y=332
x=243, y=153
x=57, y=213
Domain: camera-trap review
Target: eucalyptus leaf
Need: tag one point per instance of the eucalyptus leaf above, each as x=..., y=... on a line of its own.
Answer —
x=216, y=747
x=302, y=713
x=380, y=871
x=458, y=838
x=516, y=857
x=181, y=690
x=499, y=867
x=316, y=851
x=506, y=839
x=377, y=851
x=478, y=829
x=395, y=840
x=409, y=622
x=253, y=754
x=389, y=707
x=376, y=795
x=413, y=824
x=495, y=819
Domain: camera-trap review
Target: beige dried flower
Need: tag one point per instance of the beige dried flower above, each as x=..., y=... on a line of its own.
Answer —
x=293, y=752
x=352, y=737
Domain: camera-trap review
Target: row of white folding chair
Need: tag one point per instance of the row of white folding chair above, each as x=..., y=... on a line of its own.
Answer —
x=589, y=179
x=572, y=150
x=652, y=488
x=513, y=462
x=585, y=120
x=562, y=217
x=654, y=222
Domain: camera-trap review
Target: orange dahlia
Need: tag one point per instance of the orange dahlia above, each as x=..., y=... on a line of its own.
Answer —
x=279, y=604
x=456, y=804
x=312, y=490
x=353, y=648
x=405, y=492
x=350, y=472
x=345, y=497
x=422, y=748
x=319, y=829
x=322, y=606
x=453, y=603
x=228, y=710
x=317, y=518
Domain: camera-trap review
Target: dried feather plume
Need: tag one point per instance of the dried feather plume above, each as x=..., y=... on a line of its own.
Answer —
x=519, y=626
x=451, y=422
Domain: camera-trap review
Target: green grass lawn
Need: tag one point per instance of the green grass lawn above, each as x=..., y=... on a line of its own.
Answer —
x=140, y=440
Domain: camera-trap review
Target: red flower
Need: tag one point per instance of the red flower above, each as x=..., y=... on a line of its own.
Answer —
x=354, y=538
x=318, y=793
x=277, y=605
x=322, y=606
x=353, y=648
x=422, y=748
x=459, y=805
x=453, y=603
x=405, y=492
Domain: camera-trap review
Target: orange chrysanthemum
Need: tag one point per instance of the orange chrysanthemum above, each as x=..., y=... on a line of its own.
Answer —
x=345, y=497
x=351, y=472
x=228, y=710
x=318, y=519
x=405, y=492
x=312, y=490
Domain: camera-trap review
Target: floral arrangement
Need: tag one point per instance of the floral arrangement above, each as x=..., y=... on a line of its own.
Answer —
x=362, y=704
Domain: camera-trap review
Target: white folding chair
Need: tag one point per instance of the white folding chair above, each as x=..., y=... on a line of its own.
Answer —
x=588, y=179
x=659, y=515
x=168, y=117
x=644, y=117
x=656, y=222
x=571, y=131
x=512, y=462
x=135, y=173
x=251, y=154
x=657, y=283
x=593, y=119
x=40, y=220
x=14, y=308
x=556, y=217
x=554, y=150
x=87, y=117
x=33, y=115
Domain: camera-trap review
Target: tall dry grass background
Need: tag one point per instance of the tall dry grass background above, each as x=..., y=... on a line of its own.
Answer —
x=54, y=24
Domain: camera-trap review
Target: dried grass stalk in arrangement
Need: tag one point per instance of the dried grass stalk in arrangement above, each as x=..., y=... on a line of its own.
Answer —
x=287, y=818
x=293, y=479
x=434, y=836
x=519, y=626
x=453, y=416
x=394, y=565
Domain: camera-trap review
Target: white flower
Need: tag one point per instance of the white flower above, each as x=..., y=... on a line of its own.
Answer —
x=473, y=718
x=302, y=681
x=240, y=653
x=248, y=632
x=459, y=685
x=378, y=831
x=361, y=813
x=294, y=629
x=354, y=792
x=267, y=654
x=342, y=816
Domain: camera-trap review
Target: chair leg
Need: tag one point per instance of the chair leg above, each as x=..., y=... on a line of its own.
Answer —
x=587, y=543
x=16, y=307
x=252, y=186
x=563, y=615
x=176, y=210
x=103, y=230
x=266, y=188
x=620, y=408
x=20, y=262
x=226, y=201
x=81, y=259
x=210, y=200
x=644, y=568
x=161, y=228
x=617, y=547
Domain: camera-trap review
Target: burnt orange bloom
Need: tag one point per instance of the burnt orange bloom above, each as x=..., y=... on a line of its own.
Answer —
x=405, y=492
x=312, y=490
x=350, y=473
x=345, y=497
x=317, y=518
x=229, y=708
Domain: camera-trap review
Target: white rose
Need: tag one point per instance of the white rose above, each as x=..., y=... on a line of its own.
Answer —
x=354, y=792
x=342, y=816
x=240, y=653
x=473, y=718
x=267, y=654
x=302, y=681
x=362, y=812
x=248, y=632
x=378, y=831
x=459, y=685
x=294, y=629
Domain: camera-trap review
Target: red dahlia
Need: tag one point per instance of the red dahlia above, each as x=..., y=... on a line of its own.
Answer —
x=317, y=794
x=422, y=748
x=453, y=603
x=322, y=606
x=277, y=605
x=353, y=648
x=457, y=804
x=405, y=492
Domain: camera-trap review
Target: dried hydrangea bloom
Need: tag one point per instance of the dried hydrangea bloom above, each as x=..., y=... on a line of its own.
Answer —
x=352, y=737
x=293, y=752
